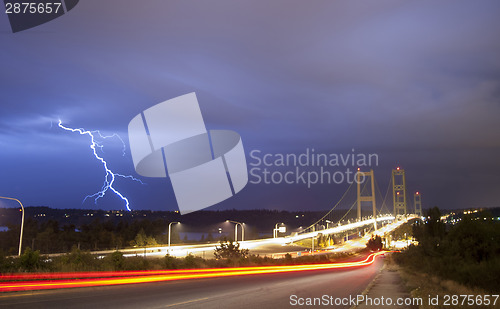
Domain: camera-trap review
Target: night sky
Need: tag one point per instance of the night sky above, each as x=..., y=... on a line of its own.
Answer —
x=415, y=82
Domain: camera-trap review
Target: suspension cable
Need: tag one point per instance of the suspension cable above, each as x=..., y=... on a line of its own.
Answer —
x=343, y=196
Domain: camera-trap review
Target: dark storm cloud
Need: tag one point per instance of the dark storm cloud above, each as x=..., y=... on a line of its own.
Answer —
x=416, y=82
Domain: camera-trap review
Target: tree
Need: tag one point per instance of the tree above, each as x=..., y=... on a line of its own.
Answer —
x=468, y=253
x=30, y=260
x=374, y=243
x=473, y=240
x=140, y=239
x=210, y=237
x=78, y=260
x=47, y=240
x=434, y=226
x=227, y=250
x=151, y=241
x=117, y=260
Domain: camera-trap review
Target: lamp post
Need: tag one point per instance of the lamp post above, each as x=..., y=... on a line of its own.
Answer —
x=22, y=221
x=275, y=231
x=170, y=233
x=328, y=222
x=236, y=230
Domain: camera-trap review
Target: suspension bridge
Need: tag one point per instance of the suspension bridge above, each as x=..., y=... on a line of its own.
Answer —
x=368, y=212
x=365, y=191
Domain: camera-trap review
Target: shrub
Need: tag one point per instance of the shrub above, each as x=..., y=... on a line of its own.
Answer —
x=374, y=243
x=191, y=261
x=228, y=250
x=117, y=260
x=169, y=262
x=30, y=260
x=77, y=260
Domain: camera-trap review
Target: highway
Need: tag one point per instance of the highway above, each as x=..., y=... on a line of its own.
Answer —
x=268, y=246
x=264, y=247
x=277, y=247
x=248, y=291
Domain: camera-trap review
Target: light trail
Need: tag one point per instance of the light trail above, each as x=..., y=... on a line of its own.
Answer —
x=184, y=250
x=134, y=277
x=179, y=251
x=109, y=179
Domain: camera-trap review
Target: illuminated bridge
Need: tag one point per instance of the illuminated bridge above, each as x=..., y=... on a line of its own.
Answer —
x=361, y=211
x=380, y=222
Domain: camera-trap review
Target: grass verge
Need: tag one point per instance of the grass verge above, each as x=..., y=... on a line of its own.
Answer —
x=428, y=286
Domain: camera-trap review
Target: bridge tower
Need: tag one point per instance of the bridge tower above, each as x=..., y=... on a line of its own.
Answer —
x=366, y=198
x=399, y=191
x=417, y=201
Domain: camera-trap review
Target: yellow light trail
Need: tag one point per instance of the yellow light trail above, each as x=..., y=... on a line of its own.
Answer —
x=120, y=278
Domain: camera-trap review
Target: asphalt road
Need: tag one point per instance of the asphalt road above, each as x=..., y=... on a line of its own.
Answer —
x=253, y=291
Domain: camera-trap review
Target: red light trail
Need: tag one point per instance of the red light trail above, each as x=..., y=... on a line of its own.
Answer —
x=42, y=281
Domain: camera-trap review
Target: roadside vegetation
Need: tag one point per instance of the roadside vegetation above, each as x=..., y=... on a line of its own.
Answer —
x=426, y=285
x=374, y=243
x=51, y=230
x=50, y=237
x=226, y=254
x=467, y=253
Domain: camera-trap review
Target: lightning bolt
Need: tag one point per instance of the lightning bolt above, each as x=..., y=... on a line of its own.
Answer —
x=110, y=177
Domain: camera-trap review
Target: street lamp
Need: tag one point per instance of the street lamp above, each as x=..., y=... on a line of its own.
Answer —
x=312, y=244
x=236, y=230
x=275, y=231
x=327, y=222
x=170, y=233
x=22, y=221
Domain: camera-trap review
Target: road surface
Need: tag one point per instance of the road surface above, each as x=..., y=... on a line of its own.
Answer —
x=252, y=291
